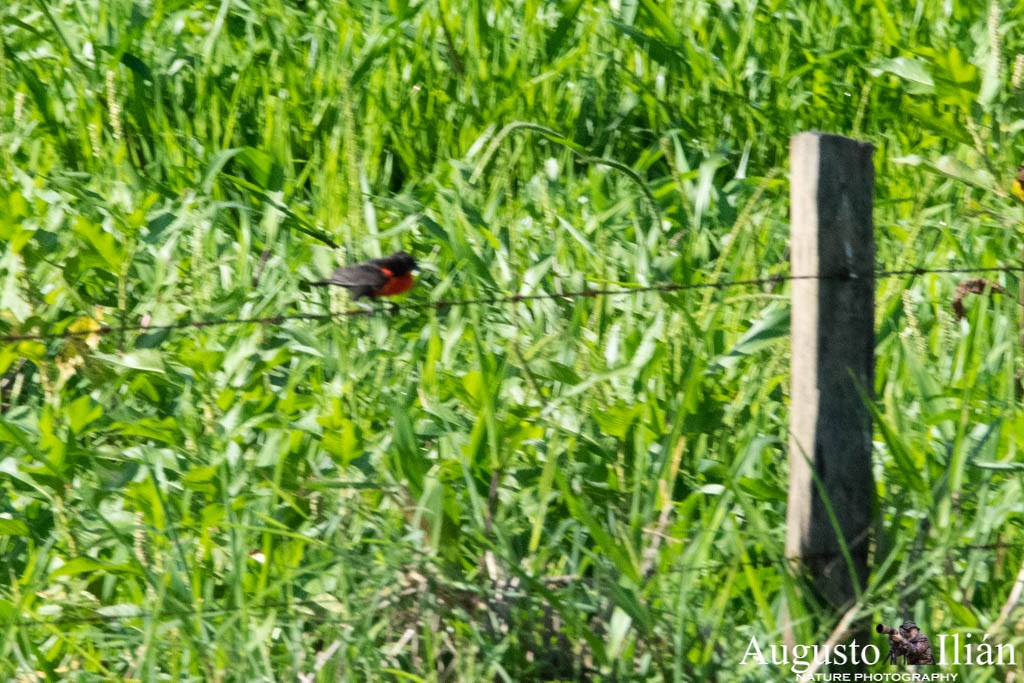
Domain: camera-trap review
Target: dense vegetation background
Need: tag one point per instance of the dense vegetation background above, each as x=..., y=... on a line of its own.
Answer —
x=559, y=488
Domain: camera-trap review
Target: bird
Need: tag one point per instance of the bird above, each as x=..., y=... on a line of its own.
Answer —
x=377, y=277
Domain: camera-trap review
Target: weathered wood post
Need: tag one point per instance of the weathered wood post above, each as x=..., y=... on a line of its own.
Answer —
x=831, y=489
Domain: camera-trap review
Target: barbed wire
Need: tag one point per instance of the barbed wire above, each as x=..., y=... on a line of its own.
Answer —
x=167, y=615
x=767, y=562
x=506, y=299
x=326, y=602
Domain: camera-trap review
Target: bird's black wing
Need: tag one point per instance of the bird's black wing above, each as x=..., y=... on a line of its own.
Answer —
x=362, y=279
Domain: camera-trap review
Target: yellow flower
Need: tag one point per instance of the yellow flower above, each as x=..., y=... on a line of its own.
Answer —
x=1018, y=184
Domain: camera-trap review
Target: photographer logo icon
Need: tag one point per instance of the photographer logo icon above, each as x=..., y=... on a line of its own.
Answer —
x=907, y=645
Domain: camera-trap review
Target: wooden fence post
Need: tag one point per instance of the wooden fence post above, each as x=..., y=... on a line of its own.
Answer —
x=831, y=488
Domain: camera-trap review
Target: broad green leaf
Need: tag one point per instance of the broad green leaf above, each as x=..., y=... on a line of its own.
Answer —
x=106, y=245
x=617, y=419
x=914, y=72
x=264, y=169
x=82, y=412
x=13, y=527
x=147, y=360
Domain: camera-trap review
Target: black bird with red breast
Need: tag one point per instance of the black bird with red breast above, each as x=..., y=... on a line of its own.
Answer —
x=386, y=276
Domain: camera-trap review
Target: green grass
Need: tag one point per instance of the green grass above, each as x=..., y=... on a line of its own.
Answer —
x=550, y=489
